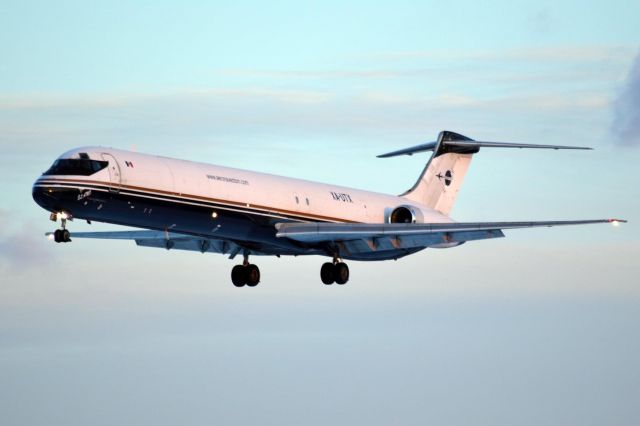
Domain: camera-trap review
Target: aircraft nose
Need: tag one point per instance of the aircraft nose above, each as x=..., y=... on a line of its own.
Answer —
x=43, y=195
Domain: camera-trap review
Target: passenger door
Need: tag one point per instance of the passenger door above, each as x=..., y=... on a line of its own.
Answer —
x=114, y=172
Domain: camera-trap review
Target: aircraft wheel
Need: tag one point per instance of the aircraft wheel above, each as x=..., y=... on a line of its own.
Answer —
x=61, y=236
x=238, y=276
x=341, y=272
x=252, y=274
x=326, y=273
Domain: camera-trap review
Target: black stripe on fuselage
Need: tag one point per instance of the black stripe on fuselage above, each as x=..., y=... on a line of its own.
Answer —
x=178, y=199
x=249, y=228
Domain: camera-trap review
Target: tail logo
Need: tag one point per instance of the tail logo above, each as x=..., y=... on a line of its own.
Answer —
x=448, y=177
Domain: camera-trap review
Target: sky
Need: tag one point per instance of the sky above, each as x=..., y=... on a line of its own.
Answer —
x=539, y=327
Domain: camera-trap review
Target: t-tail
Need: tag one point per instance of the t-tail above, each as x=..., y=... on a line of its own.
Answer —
x=441, y=180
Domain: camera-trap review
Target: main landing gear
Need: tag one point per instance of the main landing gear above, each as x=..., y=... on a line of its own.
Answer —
x=246, y=273
x=61, y=235
x=336, y=272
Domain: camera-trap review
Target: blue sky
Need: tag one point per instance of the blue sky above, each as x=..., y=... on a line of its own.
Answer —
x=539, y=327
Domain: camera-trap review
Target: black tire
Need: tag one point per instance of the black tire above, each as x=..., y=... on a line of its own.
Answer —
x=238, y=276
x=252, y=274
x=341, y=273
x=326, y=273
x=56, y=235
x=65, y=236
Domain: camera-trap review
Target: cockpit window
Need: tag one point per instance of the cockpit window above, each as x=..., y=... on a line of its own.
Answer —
x=72, y=166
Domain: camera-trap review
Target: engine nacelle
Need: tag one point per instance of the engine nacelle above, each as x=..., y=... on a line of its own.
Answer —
x=406, y=214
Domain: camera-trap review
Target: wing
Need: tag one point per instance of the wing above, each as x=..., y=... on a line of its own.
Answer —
x=169, y=241
x=363, y=238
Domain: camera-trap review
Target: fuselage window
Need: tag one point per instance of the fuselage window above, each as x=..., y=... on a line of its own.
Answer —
x=297, y=200
x=307, y=201
x=78, y=167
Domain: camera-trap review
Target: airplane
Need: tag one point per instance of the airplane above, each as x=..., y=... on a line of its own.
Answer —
x=185, y=205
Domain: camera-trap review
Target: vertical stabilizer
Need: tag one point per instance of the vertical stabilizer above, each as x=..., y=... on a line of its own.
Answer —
x=441, y=180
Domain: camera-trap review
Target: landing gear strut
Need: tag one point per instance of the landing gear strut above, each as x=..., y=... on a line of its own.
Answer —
x=246, y=273
x=336, y=272
x=61, y=235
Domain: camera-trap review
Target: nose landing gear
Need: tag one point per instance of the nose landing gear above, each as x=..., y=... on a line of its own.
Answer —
x=61, y=235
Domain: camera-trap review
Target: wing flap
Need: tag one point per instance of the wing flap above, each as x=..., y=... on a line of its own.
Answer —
x=203, y=245
x=401, y=242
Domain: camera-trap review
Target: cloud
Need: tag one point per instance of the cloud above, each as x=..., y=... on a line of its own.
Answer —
x=626, y=121
x=195, y=114
x=559, y=54
x=444, y=72
x=20, y=247
x=389, y=100
x=48, y=101
x=221, y=118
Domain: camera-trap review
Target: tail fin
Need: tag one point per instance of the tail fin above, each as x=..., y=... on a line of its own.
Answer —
x=438, y=185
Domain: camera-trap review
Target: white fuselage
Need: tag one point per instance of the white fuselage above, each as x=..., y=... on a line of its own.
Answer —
x=240, y=190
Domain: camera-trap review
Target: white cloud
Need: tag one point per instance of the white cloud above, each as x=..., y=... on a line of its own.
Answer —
x=20, y=247
x=626, y=122
x=550, y=53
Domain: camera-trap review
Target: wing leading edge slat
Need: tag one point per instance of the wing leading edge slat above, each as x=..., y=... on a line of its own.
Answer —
x=168, y=240
x=422, y=233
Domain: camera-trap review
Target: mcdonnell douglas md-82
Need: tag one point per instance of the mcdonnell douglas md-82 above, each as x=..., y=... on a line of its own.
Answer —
x=184, y=205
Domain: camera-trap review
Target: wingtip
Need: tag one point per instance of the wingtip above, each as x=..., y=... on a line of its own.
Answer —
x=616, y=222
x=581, y=148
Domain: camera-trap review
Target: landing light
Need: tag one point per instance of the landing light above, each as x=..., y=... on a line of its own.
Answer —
x=615, y=223
x=50, y=237
x=63, y=215
x=214, y=215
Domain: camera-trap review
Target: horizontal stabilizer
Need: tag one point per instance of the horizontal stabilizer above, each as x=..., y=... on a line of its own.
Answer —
x=486, y=144
x=430, y=146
